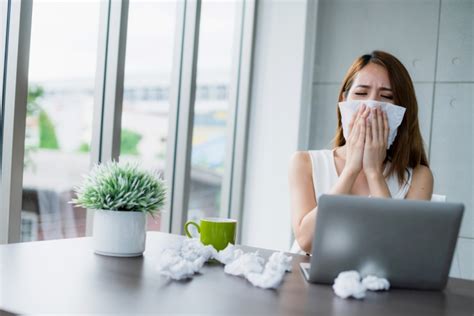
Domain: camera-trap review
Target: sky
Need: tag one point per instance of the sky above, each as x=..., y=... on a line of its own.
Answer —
x=65, y=34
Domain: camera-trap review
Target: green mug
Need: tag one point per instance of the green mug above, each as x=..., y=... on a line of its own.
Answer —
x=215, y=231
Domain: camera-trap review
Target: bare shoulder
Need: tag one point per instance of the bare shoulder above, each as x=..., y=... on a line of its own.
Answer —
x=300, y=163
x=422, y=184
x=422, y=173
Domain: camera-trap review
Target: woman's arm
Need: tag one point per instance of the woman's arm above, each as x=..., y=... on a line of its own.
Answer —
x=421, y=185
x=303, y=198
x=377, y=185
x=303, y=202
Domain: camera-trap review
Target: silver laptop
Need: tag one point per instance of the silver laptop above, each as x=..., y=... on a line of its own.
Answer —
x=410, y=243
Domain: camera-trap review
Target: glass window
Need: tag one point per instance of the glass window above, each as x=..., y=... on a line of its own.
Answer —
x=3, y=28
x=146, y=104
x=63, y=50
x=211, y=110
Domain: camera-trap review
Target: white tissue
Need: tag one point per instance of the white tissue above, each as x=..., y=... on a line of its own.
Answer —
x=395, y=115
x=265, y=280
x=278, y=261
x=374, y=283
x=172, y=265
x=229, y=254
x=247, y=263
x=348, y=284
x=183, y=259
x=273, y=273
x=193, y=249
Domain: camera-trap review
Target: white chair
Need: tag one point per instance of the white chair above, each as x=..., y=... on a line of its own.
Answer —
x=438, y=198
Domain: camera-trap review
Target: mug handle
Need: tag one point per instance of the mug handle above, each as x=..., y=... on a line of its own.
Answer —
x=186, y=228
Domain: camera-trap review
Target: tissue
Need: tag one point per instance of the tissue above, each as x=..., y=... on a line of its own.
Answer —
x=348, y=284
x=273, y=273
x=182, y=260
x=245, y=264
x=374, y=283
x=229, y=254
x=278, y=261
x=192, y=249
x=395, y=115
x=172, y=265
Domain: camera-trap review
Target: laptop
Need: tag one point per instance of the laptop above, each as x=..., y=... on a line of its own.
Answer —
x=408, y=242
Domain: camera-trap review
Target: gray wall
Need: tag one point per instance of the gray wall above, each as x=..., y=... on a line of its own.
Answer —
x=434, y=40
x=274, y=122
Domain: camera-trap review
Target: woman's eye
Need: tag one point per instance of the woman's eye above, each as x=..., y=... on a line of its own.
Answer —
x=360, y=93
x=388, y=97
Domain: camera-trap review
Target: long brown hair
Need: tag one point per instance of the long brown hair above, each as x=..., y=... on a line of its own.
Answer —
x=407, y=149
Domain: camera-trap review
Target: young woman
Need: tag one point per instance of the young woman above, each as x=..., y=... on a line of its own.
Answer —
x=362, y=164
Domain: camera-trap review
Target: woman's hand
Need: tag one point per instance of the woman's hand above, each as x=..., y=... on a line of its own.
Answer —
x=356, y=140
x=375, y=149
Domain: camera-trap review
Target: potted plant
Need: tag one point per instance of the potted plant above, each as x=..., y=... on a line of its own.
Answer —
x=121, y=196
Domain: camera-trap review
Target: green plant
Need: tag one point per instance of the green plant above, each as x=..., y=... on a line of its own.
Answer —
x=47, y=138
x=129, y=142
x=47, y=132
x=32, y=105
x=32, y=110
x=84, y=148
x=121, y=187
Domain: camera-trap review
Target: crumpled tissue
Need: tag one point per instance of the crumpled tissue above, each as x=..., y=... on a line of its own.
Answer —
x=229, y=254
x=181, y=261
x=348, y=284
x=245, y=264
x=374, y=283
x=273, y=273
x=394, y=112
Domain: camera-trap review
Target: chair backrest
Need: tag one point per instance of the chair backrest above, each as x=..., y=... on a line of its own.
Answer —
x=438, y=198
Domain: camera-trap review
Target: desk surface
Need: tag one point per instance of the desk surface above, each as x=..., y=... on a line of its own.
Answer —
x=65, y=276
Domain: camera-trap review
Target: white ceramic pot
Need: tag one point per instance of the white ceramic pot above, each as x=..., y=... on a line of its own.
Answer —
x=118, y=233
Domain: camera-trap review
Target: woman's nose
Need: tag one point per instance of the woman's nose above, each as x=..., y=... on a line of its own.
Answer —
x=373, y=95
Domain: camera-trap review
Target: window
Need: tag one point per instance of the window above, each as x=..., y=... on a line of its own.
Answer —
x=65, y=100
x=148, y=67
x=63, y=52
x=3, y=28
x=211, y=110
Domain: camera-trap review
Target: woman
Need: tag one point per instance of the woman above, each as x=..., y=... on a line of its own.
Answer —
x=362, y=164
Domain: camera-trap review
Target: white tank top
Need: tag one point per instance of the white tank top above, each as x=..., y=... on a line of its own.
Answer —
x=325, y=176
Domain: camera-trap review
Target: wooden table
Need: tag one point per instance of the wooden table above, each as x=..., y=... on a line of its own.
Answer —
x=65, y=276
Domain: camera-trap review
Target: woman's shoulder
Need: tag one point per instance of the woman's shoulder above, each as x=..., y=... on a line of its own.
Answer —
x=422, y=183
x=320, y=151
x=300, y=161
x=422, y=172
x=303, y=158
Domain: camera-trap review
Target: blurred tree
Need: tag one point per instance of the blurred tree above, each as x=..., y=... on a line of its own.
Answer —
x=47, y=133
x=84, y=148
x=129, y=142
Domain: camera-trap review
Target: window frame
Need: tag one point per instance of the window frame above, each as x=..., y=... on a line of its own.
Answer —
x=108, y=99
